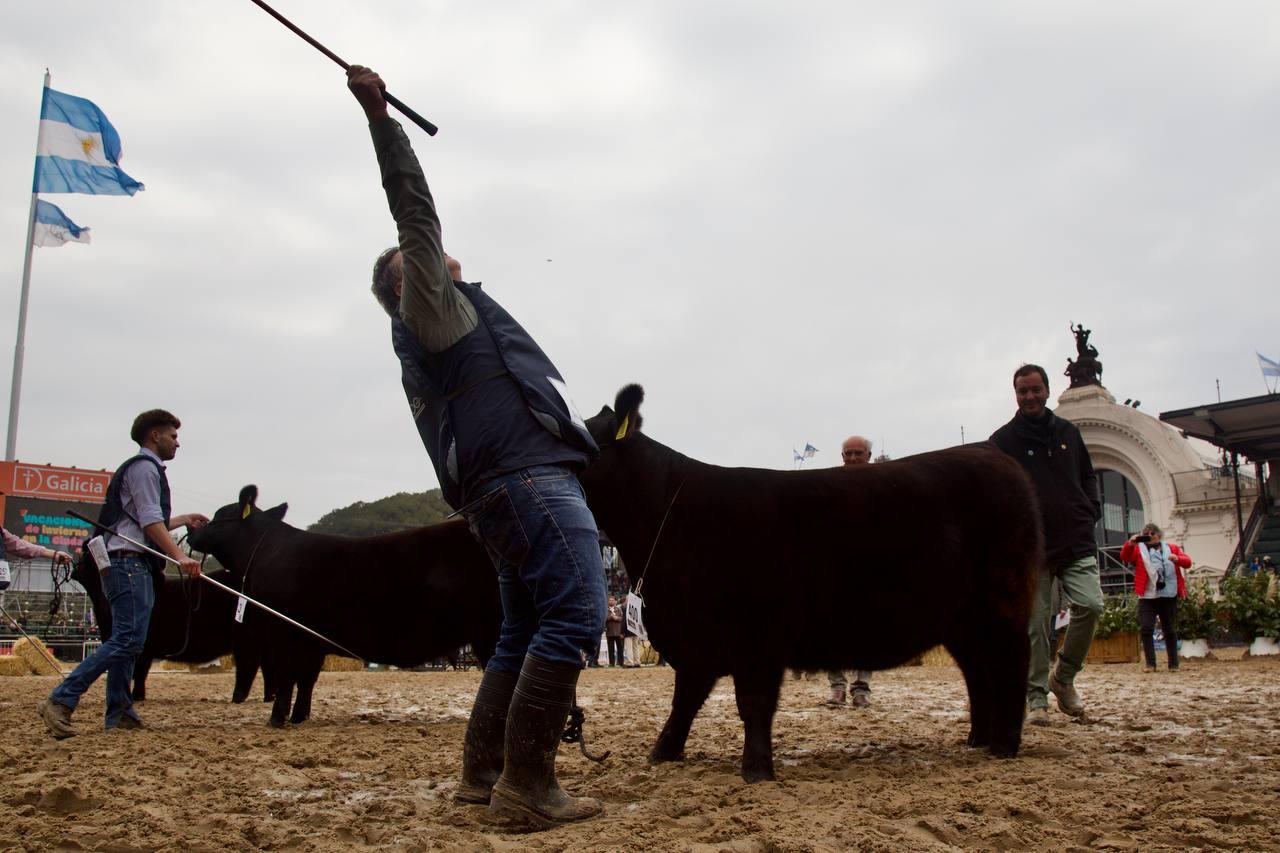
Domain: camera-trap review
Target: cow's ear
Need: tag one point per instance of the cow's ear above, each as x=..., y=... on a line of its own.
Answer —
x=627, y=407
x=248, y=500
x=277, y=512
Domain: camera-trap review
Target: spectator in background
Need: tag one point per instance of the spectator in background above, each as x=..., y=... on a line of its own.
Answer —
x=1159, y=584
x=1252, y=569
x=1268, y=564
x=613, y=622
x=856, y=450
x=632, y=645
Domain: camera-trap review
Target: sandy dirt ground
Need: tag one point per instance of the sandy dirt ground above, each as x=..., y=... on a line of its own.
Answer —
x=1185, y=760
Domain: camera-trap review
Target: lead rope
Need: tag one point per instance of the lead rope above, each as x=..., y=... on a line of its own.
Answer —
x=658, y=536
x=577, y=715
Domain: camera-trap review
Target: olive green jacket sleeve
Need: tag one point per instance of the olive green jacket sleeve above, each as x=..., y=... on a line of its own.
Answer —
x=429, y=303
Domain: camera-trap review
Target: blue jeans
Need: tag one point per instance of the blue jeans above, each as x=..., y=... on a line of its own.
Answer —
x=543, y=541
x=129, y=589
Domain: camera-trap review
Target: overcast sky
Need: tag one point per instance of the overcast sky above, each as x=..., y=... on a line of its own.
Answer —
x=789, y=222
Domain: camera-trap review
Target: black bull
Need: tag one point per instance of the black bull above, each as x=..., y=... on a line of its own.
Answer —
x=861, y=567
x=191, y=622
x=400, y=599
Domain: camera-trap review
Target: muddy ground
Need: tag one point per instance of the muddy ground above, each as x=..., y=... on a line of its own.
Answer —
x=1184, y=760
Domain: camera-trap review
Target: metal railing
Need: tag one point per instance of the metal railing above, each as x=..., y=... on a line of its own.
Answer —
x=1116, y=576
x=1212, y=485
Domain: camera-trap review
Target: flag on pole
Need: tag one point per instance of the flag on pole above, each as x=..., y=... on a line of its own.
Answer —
x=809, y=450
x=53, y=227
x=1269, y=367
x=796, y=457
x=79, y=150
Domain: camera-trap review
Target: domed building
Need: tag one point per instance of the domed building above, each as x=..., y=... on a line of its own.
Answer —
x=1149, y=472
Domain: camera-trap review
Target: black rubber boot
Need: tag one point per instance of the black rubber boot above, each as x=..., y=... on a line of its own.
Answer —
x=528, y=790
x=486, y=733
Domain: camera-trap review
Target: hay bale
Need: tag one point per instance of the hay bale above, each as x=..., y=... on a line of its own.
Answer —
x=226, y=663
x=36, y=656
x=338, y=663
x=12, y=665
x=937, y=656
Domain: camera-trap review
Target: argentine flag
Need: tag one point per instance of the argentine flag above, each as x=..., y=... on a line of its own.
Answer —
x=79, y=150
x=1269, y=367
x=53, y=228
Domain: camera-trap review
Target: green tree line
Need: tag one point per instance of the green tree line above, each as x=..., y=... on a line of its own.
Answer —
x=398, y=512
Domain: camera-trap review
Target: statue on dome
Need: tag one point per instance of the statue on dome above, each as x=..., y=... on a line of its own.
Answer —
x=1084, y=369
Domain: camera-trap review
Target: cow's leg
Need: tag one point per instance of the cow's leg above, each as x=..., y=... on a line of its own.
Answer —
x=1008, y=657
x=757, y=695
x=270, y=682
x=310, y=671
x=247, y=662
x=284, y=698
x=141, y=667
x=281, y=659
x=970, y=654
x=692, y=690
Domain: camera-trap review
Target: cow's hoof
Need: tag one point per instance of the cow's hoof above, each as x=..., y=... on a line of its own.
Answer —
x=277, y=723
x=660, y=756
x=1003, y=750
x=762, y=774
x=237, y=700
x=977, y=741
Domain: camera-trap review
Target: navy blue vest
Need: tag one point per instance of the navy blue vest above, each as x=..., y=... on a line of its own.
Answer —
x=489, y=404
x=113, y=507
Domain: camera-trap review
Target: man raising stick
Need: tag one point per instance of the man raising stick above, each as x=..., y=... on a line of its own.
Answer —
x=506, y=444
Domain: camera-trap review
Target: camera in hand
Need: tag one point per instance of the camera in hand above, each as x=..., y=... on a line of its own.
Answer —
x=1144, y=539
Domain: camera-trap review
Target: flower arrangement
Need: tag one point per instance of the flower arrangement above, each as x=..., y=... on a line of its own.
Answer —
x=1119, y=616
x=1198, y=614
x=1251, y=604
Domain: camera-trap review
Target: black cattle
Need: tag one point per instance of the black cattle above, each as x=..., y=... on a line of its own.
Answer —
x=192, y=622
x=858, y=567
x=401, y=599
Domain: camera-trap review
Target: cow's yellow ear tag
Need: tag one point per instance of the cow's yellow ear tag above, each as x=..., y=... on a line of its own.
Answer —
x=247, y=509
x=622, y=430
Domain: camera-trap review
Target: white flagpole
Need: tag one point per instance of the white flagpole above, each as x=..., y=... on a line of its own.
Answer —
x=15, y=389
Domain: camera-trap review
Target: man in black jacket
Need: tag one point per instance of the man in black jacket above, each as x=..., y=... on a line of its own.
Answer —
x=1054, y=455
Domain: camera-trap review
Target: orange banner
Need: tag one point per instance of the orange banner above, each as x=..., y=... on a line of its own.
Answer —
x=81, y=485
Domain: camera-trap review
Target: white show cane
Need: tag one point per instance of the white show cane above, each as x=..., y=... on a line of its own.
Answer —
x=222, y=586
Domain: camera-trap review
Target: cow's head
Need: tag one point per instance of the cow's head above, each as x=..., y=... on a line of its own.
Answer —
x=632, y=471
x=235, y=528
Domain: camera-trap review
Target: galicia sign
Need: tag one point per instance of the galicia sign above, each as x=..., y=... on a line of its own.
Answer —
x=47, y=481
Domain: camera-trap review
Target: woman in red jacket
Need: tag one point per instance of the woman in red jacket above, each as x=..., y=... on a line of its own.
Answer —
x=1159, y=584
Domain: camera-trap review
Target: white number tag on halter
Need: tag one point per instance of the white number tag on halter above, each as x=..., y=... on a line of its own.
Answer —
x=240, y=603
x=635, y=619
x=4, y=574
x=98, y=550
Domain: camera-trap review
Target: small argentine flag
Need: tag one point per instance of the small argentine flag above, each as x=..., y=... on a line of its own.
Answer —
x=53, y=228
x=1269, y=367
x=809, y=450
x=79, y=150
